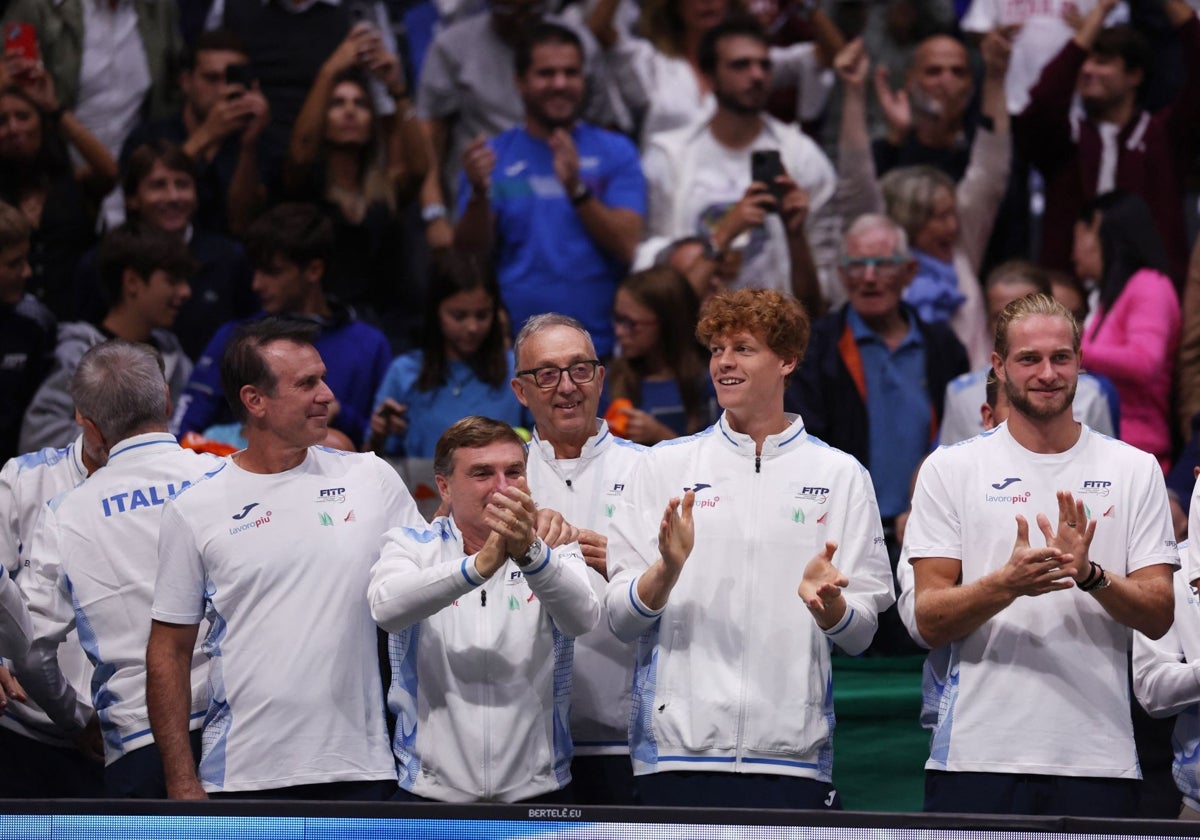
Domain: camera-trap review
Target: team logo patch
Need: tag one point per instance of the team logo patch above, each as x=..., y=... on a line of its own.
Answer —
x=1096, y=488
x=1005, y=499
x=336, y=495
x=326, y=519
x=820, y=495
x=245, y=510
x=265, y=519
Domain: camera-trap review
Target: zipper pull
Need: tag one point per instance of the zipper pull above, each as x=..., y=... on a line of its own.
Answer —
x=483, y=597
x=758, y=463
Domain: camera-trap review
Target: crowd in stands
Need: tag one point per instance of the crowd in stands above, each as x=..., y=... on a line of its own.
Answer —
x=546, y=212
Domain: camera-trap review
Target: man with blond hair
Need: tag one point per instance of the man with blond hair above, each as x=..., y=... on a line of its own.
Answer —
x=1034, y=718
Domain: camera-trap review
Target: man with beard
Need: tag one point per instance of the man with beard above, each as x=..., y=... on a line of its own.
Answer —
x=1034, y=718
x=558, y=201
x=700, y=180
x=1112, y=143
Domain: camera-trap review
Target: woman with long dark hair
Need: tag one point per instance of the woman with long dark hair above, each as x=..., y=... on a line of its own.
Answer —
x=37, y=177
x=359, y=166
x=462, y=368
x=660, y=371
x=1132, y=334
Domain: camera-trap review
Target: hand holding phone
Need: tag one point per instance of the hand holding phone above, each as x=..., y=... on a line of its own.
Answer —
x=765, y=167
x=20, y=41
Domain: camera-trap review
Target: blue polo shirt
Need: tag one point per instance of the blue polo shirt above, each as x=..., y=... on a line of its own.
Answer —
x=898, y=410
x=545, y=259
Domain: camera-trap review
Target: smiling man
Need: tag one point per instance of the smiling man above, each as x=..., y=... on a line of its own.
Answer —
x=144, y=273
x=733, y=697
x=1035, y=714
x=579, y=468
x=161, y=189
x=481, y=683
x=277, y=548
x=700, y=176
x=559, y=201
x=874, y=378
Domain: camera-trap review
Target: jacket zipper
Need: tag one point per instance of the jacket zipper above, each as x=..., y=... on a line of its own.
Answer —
x=486, y=645
x=748, y=579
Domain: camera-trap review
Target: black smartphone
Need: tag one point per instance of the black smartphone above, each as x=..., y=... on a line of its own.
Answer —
x=765, y=167
x=362, y=12
x=239, y=74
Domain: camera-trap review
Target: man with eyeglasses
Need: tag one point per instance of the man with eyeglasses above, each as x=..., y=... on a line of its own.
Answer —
x=700, y=177
x=874, y=379
x=579, y=468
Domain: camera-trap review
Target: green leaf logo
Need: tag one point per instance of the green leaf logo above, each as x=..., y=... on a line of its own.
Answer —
x=798, y=515
x=326, y=519
x=608, y=510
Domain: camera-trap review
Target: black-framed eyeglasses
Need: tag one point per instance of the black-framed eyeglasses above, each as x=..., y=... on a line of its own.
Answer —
x=548, y=377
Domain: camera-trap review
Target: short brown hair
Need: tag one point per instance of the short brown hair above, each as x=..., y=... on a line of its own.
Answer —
x=142, y=159
x=778, y=318
x=473, y=432
x=1025, y=307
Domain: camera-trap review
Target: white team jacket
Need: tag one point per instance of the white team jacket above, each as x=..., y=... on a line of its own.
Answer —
x=27, y=483
x=1166, y=680
x=93, y=567
x=481, y=669
x=733, y=675
x=587, y=497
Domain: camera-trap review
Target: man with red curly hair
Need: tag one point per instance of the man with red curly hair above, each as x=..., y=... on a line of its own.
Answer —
x=733, y=702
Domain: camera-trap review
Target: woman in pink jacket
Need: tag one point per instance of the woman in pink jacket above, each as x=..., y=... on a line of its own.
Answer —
x=1133, y=333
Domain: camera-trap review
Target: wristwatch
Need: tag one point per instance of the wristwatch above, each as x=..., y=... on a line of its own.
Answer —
x=532, y=553
x=580, y=194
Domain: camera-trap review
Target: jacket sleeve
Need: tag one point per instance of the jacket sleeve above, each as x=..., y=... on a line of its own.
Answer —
x=52, y=618
x=1149, y=312
x=633, y=548
x=15, y=627
x=1163, y=680
x=1043, y=129
x=862, y=558
x=415, y=578
x=559, y=579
